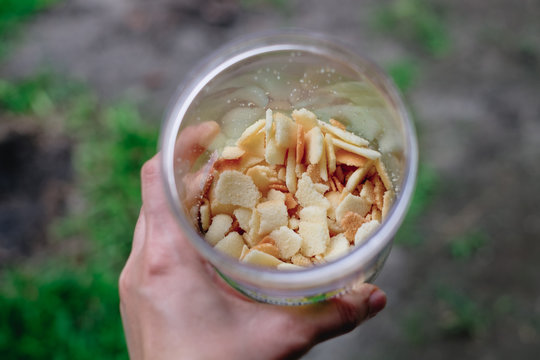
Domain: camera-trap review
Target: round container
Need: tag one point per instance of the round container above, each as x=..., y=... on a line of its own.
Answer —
x=287, y=71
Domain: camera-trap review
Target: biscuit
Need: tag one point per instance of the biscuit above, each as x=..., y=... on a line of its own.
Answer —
x=287, y=241
x=231, y=245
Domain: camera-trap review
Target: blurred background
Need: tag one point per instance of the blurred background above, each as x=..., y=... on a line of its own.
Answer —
x=84, y=84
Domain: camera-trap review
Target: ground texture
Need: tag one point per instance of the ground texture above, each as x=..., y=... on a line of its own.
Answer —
x=465, y=286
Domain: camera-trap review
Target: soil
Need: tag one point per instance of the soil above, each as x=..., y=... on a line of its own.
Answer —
x=477, y=113
x=35, y=164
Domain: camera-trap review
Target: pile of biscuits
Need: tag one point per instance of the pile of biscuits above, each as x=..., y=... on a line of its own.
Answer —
x=294, y=192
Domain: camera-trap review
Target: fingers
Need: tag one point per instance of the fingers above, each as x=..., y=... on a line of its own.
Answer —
x=343, y=314
x=138, y=234
x=164, y=243
x=194, y=140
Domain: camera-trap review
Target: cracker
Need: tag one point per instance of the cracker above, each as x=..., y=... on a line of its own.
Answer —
x=337, y=247
x=352, y=203
x=250, y=131
x=356, y=178
x=290, y=202
x=287, y=241
x=288, y=267
x=269, y=124
x=368, y=192
x=334, y=199
x=267, y=240
x=349, y=158
x=285, y=130
x=351, y=222
x=339, y=174
x=314, y=145
x=318, y=259
x=232, y=152
x=301, y=260
x=226, y=164
x=306, y=118
x=243, y=216
x=256, y=257
x=279, y=186
x=235, y=227
x=344, y=135
x=235, y=188
x=254, y=144
x=262, y=176
x=376, y=214
x=332, y=185
x=365, y=231
x=299, y=170
x=274, y=154
x=273, y=215
x=330, y=154
x=314, y=214
x=337, y=124
x=204, y=215
x=219, y=226
x=300, y=143
x=248, y=160
x=314, y=173
x=231, y=245
x=268, y=248
x=323, y=170
x=293, y=223
x=315, y=238
x=244, y=252
x=281, y=174
x=307, y=195
x=290, y=171
x=252, y=237
x=334, y=227
x=339, y=185
x=378, y=190
x=388, y=199
x=362, y=151
x=321, y=188
x=383, y=174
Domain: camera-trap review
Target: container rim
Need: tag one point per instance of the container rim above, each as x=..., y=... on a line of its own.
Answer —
x=218, y=62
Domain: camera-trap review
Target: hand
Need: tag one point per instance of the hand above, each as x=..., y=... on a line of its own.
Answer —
x=174, y=306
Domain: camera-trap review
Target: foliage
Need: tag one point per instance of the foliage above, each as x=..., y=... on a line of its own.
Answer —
x=417, y=21
x=404, y=74
x=466, y=245
x=60, y=309
x=427, y=184
x=460, y=315
x=14, y=12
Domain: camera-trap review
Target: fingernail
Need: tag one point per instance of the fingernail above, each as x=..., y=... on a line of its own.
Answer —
x=376, y=302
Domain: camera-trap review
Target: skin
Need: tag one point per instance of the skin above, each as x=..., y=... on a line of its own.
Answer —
x=174, y=306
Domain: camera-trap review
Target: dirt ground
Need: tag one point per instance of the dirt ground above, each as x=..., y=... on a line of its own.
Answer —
x=478, y=117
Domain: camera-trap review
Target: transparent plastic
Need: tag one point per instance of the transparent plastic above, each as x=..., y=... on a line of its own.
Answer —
x=287, y=71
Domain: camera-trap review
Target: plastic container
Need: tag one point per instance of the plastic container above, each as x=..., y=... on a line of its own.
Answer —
x=286, y=71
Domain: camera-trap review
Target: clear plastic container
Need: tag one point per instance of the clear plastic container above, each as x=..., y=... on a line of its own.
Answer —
x=286, y=71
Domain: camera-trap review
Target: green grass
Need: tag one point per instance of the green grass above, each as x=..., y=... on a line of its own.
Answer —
x=404, y=73
x=64, y=308
x=415, y=21
x=427, y=185
x=459, y=315
x=13, y=13
x=465, y=246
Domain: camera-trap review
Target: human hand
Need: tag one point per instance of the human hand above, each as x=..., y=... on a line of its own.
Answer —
x=174, y=306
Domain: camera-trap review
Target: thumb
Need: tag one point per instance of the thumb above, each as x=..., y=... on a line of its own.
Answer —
x=343, y=314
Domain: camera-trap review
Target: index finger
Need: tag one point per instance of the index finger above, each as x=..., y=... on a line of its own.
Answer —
x=195, y=139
